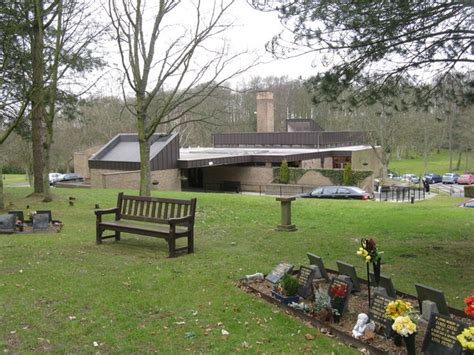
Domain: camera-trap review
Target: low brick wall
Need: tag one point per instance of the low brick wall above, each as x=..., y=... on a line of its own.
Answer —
x=168, y=180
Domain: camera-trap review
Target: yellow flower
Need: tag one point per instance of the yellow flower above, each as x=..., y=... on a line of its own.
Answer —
x=367, y=258
x=362, y=252
x=466, y=338
x=404, y=326
x=397, y=308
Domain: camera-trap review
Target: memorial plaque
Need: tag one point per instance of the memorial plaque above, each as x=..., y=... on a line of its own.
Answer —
x=305, y=280
x=278, y=272
x=19, y=215
x=377, y=314
x=318, y=261
x=48, y=212
x=40, y=221
x=7, y=223
x=386, y=283
x=334, y=302
x=349, y=270
x=433, y=295
x=440, y=336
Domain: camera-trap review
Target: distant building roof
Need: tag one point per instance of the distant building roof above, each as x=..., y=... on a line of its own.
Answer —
x=302, y=125
x=123, y=153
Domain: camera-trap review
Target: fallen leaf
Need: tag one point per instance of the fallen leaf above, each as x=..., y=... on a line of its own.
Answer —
x=96, y=344
x=224, y=332
x=309, y=337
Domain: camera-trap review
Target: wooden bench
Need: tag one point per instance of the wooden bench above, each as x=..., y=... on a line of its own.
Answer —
x=169, y=219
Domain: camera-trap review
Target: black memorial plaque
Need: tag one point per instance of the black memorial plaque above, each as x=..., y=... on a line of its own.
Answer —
x=349, y=270
x=7, y=223
x=440, y=337
x=305, y=281
x=377, y=314
x=40, y=221
x=48, y=212
x=19, y=215
x=278, y=272
x=433, y=295
x=318, y=261
x=386, y=283
x=348, y=286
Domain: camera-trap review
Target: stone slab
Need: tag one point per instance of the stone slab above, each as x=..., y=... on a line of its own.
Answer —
x=318, y=261
x=428, y=293
x=349, y=270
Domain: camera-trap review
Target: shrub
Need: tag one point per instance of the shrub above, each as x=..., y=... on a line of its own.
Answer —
x=284, y=173
x=469, y=191
x=348, y=178
x=289, y=285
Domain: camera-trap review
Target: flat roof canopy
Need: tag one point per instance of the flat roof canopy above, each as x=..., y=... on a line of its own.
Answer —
x=205, y=157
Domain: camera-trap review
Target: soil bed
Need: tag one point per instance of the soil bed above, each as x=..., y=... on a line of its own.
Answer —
x=358, y=303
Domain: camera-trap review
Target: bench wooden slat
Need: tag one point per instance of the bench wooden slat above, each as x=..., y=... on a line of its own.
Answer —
x=165, y=213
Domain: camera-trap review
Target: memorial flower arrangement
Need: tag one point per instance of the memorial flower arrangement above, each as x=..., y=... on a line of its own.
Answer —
x=338, y=292
x=368, y=250
x=466, y=338
x=404, y=326
x=397, y=309
x=469, y=301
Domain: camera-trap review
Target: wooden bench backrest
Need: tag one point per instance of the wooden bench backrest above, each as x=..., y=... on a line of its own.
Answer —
x=152, y=209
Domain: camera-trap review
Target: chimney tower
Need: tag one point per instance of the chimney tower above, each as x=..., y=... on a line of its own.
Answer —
x=265, y=114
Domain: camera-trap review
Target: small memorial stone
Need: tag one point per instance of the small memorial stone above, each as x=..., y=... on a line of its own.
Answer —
x=428, y=307
x=440, y=337
x=318, y=261
x=349, y=270
x=40, y=221
x=48, y=212
x=434, y=295
x=337, y=301
x=278, y=272
x=377, y=314
x=386, y=283
x=305, y=280
x=380, y=291
x=7, y=223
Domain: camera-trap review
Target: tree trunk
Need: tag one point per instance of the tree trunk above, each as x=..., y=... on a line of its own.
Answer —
x=37, y=97
x=450, y=140
x=2, y=198
x=143, y=141
x=458, y=164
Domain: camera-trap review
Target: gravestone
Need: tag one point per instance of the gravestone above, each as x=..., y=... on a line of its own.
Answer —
x=318, y=261
x=48, y=212
x=377, y=314
x=427, y=293
x=386, y=283
x=305, y=280
x=19, y=215
x=349, y=270
x=428, y=308
x=347, y=285
x=278, y=272
x=440, y=336
x=40, y=221
x=7, y=223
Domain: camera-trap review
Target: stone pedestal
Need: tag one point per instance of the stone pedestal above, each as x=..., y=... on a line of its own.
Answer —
x=286, y=225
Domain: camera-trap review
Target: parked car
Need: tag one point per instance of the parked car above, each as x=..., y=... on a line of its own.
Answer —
x=70, y=177
x=53, y=177
x=432, y=178
x=339, y=192
x=392, y=175
x=468, y=203
x=412, y=178
x=466, y=179
x=450, y=178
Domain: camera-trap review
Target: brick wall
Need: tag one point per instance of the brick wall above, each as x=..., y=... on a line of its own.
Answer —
x=250, y=177
x=168, y=180
x=367, y=160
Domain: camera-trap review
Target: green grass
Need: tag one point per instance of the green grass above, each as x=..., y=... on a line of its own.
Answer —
x=11, y=179
x=437, y=163
x=61, y=292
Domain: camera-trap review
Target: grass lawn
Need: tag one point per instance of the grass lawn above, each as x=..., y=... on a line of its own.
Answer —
x=12, y=179
x=62, y=293
x=437, y=163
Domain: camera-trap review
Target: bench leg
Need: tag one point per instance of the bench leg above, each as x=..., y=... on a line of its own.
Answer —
x=98, y=235
x=172, y=247
x=117, y=236
x=191, y=243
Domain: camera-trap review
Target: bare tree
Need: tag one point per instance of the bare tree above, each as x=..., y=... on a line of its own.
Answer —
x=171, y=66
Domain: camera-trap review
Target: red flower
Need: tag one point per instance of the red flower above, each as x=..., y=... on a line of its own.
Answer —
x=339, y=290
x=469, y=301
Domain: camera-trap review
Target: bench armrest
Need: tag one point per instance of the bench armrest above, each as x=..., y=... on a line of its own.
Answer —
x=182, y=220
x=101, y=212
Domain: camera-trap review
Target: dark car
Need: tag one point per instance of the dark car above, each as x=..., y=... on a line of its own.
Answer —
x=432, y=178
x=69, y=178
x=339, y=192
x=450, y=178
x=468, y=203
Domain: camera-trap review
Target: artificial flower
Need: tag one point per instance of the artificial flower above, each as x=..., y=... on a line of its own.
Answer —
x=397, y=308
x=466, y=338
x=367, y=259
x=469, y=301
x=404, y=326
